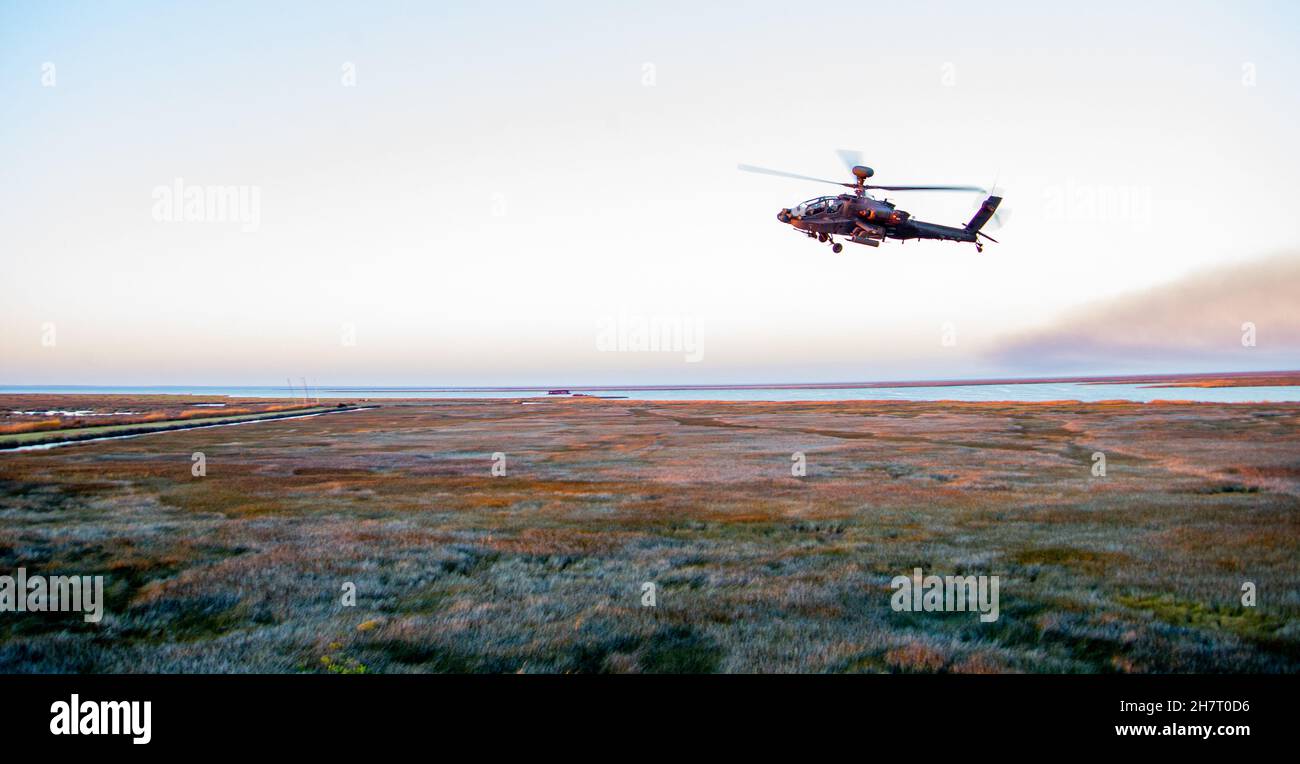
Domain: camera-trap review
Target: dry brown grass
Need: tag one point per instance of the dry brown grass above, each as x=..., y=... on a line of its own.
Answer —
x=122, y=410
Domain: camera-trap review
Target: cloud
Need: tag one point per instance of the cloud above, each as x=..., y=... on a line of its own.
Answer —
x=1196, y=323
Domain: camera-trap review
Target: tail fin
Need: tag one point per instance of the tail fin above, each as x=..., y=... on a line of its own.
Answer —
x=985, y=212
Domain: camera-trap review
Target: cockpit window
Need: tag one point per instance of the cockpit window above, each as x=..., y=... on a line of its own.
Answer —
x=818, y=206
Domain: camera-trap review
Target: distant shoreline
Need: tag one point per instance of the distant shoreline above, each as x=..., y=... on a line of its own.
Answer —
x=1216, y=379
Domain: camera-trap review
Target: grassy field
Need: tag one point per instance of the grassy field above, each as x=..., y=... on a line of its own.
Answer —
x=541, y=569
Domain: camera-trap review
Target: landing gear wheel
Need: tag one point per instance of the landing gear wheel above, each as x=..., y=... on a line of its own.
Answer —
x=979, y=247
x=837, y=247
x=821, y=237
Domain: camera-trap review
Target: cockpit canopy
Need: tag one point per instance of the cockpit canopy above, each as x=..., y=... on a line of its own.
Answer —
x=819, y=206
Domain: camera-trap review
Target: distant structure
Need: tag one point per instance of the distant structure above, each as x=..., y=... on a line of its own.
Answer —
x=306, y=393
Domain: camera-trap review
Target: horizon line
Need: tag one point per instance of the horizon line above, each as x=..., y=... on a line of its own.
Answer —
x=948, y=382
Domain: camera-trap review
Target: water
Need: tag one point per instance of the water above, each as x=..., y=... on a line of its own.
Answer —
x=1042, y=391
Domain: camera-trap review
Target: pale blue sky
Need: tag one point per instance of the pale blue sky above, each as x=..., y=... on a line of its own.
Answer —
x=616, y=198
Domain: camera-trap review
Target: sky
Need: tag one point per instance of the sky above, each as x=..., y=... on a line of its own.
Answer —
x=518, y=194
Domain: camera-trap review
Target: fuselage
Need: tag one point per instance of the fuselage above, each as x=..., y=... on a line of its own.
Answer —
x=864, y=220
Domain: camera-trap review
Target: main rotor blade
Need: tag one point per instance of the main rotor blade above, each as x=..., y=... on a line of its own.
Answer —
x=850, y=158
x=929, y=188
x=782, y=174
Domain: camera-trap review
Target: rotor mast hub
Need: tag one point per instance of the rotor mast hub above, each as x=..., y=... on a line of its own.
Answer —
x=861, y=172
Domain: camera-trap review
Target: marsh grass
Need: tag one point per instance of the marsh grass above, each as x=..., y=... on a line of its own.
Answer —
x=540, y=570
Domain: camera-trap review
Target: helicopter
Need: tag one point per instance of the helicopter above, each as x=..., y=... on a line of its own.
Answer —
x=864, y=219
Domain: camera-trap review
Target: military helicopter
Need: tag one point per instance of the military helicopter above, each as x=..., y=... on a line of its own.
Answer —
x=863, y=219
